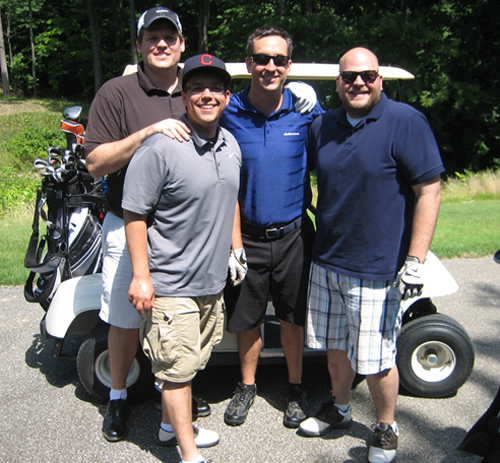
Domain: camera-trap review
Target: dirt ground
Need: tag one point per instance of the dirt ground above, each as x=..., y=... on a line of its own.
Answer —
x=25, y=106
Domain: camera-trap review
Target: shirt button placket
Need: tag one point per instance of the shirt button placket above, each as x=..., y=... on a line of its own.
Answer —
x=216, y=161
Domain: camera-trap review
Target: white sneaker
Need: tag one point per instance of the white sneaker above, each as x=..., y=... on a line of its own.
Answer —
x=329, y=417
x=202, y=438
x=384, y=443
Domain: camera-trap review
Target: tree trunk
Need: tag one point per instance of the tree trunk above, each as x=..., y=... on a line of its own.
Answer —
x=308, y=7
x=96, y=45
x=33, y=56
x=3, y=64
x=204, y=17
x=11, y=58
x=133, y=31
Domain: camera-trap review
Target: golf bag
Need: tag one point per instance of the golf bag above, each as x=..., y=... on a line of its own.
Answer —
x=70, y=203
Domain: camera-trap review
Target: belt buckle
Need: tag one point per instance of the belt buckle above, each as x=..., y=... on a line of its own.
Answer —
x=273, y=233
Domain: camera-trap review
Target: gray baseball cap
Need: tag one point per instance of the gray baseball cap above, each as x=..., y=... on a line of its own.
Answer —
x=150, y=16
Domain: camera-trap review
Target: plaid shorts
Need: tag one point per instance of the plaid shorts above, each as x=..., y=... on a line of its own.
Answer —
x=357, y=315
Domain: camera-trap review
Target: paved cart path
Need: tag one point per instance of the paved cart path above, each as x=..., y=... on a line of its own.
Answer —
x=46, y=415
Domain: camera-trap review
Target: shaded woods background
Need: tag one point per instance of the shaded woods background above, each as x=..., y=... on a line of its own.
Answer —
x=68, y=48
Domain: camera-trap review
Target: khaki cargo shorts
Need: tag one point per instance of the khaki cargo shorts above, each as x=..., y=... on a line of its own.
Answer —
x=178, y=335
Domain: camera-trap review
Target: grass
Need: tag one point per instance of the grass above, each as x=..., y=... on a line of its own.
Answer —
x=14, y=236
x=469, y=218
x=467, y=229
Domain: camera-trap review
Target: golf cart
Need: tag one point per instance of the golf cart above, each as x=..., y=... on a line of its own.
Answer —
x=435, y=354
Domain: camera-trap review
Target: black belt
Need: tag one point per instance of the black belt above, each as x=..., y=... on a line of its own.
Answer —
x=272, y=233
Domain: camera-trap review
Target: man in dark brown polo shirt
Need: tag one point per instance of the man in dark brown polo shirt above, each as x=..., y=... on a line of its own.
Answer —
x=125, y=112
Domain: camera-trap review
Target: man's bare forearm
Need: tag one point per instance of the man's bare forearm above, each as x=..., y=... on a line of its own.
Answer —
x=141, y=292
x=110, y=157
x=236, y=241
x=425, y=217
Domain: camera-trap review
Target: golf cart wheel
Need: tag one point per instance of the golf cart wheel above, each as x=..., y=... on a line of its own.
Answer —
x=92, y=364
x=435, y=356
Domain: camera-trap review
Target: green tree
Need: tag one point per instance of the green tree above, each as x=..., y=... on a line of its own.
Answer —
x=451, y=46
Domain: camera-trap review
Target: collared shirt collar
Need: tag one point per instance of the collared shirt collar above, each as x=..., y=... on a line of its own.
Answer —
x=199, y=140
x=286, y=105
x=148, y=87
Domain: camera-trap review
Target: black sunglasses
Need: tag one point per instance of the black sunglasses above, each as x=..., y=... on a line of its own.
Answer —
x=216, y=89
x=349, y=77
x=263, y=59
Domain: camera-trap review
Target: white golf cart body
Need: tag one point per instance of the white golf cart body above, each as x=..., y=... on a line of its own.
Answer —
x=433, y=366
x=76, y=304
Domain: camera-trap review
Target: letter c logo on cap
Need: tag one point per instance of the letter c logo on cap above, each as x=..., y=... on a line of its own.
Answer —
x=206, y=60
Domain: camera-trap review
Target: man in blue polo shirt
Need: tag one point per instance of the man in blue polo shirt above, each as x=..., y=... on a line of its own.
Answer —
x=277, y=233
x=378, y=170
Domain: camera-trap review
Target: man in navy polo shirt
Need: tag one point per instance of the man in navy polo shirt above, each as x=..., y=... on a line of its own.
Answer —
x=379, y=171
x=277, y=233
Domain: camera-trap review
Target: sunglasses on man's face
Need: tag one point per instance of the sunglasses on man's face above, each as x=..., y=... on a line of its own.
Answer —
x=349, y=77
x=216, y=89
x=262, y=59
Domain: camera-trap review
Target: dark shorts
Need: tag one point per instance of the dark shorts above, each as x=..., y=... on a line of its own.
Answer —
x=278, y=267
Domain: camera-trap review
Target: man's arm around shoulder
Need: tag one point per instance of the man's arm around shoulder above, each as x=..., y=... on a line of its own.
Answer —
x=110, y=157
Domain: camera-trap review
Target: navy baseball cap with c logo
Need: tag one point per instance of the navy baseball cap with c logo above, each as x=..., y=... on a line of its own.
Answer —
x=205, y=63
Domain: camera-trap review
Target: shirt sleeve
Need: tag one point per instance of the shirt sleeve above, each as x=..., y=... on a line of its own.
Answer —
x=417, y=150
x=311, y=142
x=318, y=110
x=145, y=180
x=105, y=119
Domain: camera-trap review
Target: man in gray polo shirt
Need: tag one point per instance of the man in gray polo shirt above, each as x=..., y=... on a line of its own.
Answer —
x=179, y=207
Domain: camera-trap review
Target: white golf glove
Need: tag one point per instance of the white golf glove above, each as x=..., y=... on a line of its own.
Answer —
x=411, y=278
x=238, y=266
x=305, y=95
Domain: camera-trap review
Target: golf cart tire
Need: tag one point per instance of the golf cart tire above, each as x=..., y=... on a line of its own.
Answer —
x=435, y=356
x=92, y=364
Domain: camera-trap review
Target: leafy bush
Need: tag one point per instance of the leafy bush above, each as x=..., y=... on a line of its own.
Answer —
x=17, y=191
x=470, y=185
x=27, y=128
x=32, y=142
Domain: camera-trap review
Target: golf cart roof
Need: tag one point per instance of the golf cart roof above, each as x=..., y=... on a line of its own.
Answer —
x=317, y=71
x=304, y=71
